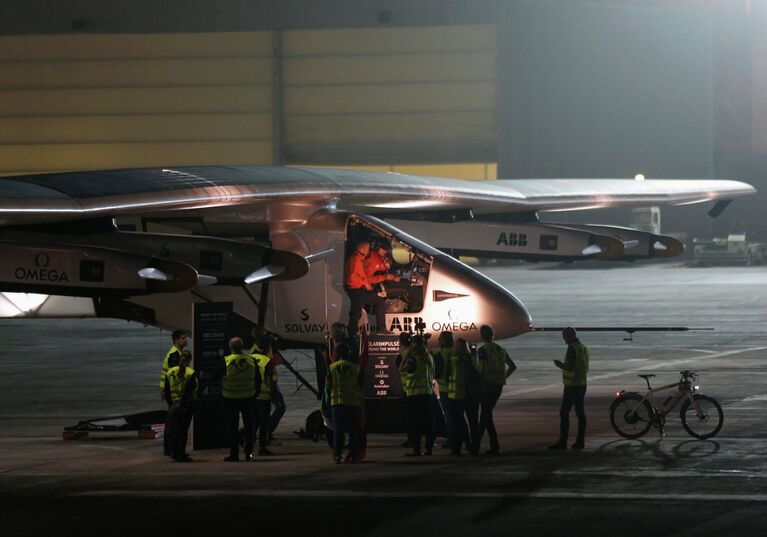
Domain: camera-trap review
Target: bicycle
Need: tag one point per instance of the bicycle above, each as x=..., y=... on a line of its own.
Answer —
x=632, y=414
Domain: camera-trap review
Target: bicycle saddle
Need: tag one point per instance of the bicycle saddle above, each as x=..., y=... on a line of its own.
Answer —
x=645, y=376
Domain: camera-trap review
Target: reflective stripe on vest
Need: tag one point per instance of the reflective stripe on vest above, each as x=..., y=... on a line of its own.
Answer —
x=419, y=381
x=492, y=367
x=346, y=389
x=239, y=382
x=169, y=362
x=443, y=380
x=577, y=377
x=266, y=392
x=456, y=388
x=178, y=383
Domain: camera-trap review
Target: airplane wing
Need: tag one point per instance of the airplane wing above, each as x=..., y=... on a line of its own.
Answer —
x=58, y=239
x=43, y=198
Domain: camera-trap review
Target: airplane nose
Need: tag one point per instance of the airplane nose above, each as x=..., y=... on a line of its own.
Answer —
x=505, y=312
x=491, y=304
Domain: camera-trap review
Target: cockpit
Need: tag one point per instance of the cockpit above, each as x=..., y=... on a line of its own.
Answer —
x=402, y=268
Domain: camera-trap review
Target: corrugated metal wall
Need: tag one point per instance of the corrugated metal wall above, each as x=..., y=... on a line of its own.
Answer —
x=390, y=95
x=103, y=101
x=362, y=96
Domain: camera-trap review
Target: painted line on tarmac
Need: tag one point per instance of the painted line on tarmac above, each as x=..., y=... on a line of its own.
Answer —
x=550, y=387
x=348, y=494
x=760, y=397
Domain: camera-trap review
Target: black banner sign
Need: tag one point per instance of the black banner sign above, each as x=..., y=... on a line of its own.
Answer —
x=382, y=379
x=211, y=333
x=384, y=397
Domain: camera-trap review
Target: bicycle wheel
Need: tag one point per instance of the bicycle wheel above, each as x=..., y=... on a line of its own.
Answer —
x=704, y=421
x=628, y=417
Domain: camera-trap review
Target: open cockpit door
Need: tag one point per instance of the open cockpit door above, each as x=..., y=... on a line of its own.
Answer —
x=406, y=261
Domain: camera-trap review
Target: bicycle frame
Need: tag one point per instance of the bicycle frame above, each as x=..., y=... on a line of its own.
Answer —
x=683, y=390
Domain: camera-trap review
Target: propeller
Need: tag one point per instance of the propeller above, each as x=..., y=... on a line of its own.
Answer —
x=150, y=273
x=282, y=265
x=264, y=273
x=592, y=249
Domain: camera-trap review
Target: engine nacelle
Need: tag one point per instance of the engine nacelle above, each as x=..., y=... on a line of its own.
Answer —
x=638, y=244
x=76, y=271
x=528, y=241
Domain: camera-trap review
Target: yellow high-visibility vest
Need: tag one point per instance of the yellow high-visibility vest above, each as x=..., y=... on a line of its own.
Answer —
x=457, y=380
x=577, y=377
x=420, y=380
x=345, y=389
x=170, y=360
x=492, y=363
x=266, y=385
x=442, y=380
x=178, y=382
x=239, y=382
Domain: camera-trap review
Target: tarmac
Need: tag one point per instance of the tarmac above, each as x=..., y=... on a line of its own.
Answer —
x=56, y=372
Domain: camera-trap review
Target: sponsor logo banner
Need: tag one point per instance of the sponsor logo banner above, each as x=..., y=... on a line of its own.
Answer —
x=42, y=271
x=408, y=324
x=440, y=296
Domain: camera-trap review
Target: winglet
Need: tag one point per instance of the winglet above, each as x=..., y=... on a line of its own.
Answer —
x=719, y=208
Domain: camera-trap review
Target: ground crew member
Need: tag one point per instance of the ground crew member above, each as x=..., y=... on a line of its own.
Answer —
x=441, y=359
x=405, y=347
x=278, y=400
x=358, y=350
x=575, y=368
x=463, y=399
x=180, y=393
x=180, y=341
x=278, y=406
x=420, y=395
x=241, y=384
x=494, y=366
x=263, y=402
x=345, y=384
x=361, y=291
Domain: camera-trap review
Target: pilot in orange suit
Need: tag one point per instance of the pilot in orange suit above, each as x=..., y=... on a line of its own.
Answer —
x=378, y=263
x=360, y=289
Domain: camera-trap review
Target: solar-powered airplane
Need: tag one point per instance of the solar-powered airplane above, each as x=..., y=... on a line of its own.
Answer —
x=144, y=244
